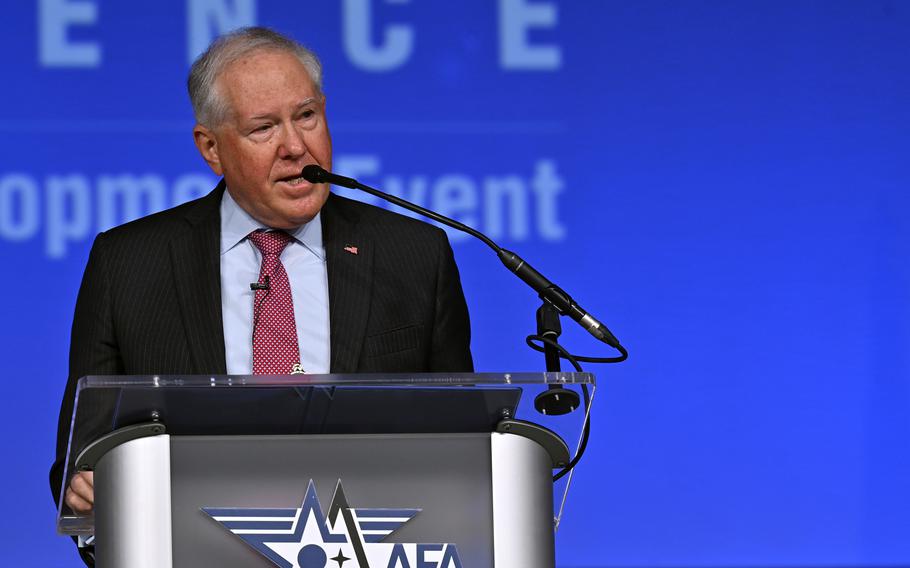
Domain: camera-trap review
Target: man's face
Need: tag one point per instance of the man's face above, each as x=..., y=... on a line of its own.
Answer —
x=275, y=126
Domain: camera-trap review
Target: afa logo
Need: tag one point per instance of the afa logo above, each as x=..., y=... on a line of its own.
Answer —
x=348, y=537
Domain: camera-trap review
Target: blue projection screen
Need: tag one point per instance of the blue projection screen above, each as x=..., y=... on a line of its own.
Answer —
x=723, y=183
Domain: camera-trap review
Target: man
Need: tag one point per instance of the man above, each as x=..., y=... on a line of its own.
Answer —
x=364, y=290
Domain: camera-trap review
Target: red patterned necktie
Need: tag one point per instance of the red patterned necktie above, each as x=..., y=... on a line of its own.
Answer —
x=275, y=348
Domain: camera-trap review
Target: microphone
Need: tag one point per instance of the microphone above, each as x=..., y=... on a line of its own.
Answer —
x=263, y=286
x=547, y=291
x=314, y=173
x=555, y=295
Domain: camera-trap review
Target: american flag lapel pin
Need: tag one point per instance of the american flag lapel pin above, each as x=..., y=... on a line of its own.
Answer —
x=351, y=249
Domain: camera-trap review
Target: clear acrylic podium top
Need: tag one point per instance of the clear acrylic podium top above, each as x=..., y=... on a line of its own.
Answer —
x=309, y=404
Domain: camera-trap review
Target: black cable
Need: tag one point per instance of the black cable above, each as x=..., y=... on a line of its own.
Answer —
x=584, y=437
x=586, y=429
x=258, y=308
x=564, y=354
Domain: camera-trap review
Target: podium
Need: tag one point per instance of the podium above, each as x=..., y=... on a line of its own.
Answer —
x=314, y=471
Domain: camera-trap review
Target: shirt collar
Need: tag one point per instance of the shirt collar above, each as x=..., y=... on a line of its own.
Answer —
x=236, y=224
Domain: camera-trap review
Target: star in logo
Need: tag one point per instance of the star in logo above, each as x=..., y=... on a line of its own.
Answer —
x=340, y=558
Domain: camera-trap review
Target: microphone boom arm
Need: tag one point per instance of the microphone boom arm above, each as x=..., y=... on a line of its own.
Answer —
x=548, y=292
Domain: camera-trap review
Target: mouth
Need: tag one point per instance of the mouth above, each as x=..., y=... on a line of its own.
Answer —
x=294, y=180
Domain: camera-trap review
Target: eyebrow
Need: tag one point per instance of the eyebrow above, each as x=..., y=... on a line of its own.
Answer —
x=299, y=106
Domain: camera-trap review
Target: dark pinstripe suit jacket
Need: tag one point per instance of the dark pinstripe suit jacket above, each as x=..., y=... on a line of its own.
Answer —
x=150, y=300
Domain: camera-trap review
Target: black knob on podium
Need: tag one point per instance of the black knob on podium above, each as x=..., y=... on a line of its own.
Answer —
x=556, y=400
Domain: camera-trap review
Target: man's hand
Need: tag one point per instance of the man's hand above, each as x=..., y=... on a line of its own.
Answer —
x=80, y=495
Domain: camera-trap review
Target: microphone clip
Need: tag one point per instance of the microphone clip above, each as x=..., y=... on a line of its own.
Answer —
x=260, y=286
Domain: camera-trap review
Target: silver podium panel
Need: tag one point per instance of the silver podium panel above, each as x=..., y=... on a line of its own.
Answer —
x=522, y=483
x=437, y=500
x=133, y=504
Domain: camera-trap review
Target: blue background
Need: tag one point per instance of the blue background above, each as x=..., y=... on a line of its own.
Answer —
x=733, y=205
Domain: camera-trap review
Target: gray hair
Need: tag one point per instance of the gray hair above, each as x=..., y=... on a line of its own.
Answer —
x=209, y=107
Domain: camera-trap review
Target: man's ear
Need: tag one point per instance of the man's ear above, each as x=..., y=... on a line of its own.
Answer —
x=208, y=147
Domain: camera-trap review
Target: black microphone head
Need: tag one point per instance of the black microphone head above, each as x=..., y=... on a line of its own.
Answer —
x=314, y=174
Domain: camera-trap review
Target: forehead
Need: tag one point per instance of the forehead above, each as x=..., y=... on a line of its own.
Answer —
x=265, y=81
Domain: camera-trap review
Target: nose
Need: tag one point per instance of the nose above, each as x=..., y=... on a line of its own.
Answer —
x=292, y=144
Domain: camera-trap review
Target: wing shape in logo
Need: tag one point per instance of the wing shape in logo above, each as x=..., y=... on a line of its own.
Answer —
x=261, y=528
x=284, y=536
x=376, y=524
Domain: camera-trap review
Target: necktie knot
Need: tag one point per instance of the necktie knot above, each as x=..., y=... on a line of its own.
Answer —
x=270, y=243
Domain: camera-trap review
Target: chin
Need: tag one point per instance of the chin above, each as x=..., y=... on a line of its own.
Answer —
x=302, y=210
x=298, y=218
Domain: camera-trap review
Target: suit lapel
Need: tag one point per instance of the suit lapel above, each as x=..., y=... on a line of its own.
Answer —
x=349, y=260
x=197, y=270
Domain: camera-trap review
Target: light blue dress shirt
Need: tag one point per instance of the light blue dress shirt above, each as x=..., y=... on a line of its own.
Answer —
x=303, y=260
